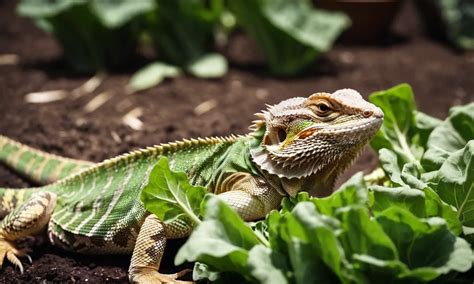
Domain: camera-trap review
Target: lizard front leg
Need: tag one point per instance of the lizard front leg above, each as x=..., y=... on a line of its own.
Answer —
x=28, y=219
x=149, y=249
x=252, y=197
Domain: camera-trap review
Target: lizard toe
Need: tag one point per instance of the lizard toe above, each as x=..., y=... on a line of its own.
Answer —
x=10, y=252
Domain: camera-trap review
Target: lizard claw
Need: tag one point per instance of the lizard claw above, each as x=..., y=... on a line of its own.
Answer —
x=8, y=250
x=147, y=275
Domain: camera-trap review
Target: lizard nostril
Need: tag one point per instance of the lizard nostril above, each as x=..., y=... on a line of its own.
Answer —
x=367, y=113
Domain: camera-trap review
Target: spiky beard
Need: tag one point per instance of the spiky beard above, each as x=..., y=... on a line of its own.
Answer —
x=320, y=152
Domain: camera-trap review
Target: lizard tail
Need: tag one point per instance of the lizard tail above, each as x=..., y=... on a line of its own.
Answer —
x=37, y=166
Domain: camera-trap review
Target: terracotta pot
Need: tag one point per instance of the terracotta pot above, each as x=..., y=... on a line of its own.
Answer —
x=371, y=19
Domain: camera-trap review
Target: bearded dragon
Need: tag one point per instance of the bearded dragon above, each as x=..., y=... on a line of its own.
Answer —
x=297, y=145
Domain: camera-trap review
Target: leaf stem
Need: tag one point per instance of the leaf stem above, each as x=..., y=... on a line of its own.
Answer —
x=405, y=148
x=262, y=239
x=461, y=208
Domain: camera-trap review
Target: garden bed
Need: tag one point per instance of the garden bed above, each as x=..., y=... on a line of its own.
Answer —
x=439, y=76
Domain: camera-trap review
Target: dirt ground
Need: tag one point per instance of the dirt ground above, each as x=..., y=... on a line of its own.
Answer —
x=440, y=76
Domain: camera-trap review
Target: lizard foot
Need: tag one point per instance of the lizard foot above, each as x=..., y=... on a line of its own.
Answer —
x=8, y=250
x=149, y=275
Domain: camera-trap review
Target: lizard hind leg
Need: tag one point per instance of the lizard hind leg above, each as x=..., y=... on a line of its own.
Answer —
x=28, y=219
x=149, y=249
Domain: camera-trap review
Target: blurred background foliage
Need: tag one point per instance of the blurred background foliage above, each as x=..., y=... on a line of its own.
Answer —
x=99, y=35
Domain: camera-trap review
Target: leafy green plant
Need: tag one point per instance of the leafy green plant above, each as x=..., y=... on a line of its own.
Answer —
x=94, y=35
x=450, y=19
x=290, y=33
x=306, y=245
x=182, y=30
x=103, y=34
x=416, y=226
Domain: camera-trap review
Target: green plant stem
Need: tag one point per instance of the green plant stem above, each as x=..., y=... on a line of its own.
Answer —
x=262, y=239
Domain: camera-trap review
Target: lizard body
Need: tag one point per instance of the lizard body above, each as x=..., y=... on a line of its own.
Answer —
x=296, y=145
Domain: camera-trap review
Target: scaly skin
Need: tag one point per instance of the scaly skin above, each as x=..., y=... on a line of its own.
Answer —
x=298, y=144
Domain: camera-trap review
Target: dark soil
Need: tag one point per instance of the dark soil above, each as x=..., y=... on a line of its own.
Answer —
x=440, y=78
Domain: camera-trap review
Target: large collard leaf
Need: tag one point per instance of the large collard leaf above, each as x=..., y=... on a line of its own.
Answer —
x=315, y=253
x=290, y=32
x=425, y=124
x=410, y=199
x=421, y=203
x=426, y=246
x=436, y=207
x=450, y=136
x=169, y=195
x=352, y=192
x=409, y=175
x=398, y=132
x=222, y=241
x=456, y=183
x=268, y=266
x=410, y=192
x=362, y=235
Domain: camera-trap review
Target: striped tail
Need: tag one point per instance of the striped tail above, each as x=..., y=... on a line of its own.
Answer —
x=37, y=166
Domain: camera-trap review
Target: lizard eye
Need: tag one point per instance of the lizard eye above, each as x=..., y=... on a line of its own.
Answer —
x=323, y=109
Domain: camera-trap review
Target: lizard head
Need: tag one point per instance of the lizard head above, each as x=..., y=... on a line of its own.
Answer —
x=318, y=136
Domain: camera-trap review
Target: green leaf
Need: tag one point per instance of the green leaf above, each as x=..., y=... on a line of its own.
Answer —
x=288, y=202
x=151, y=75
x=389, y=163
x=352, y=192
x=222, y=241
x=378, y=270
x=277, y=235
x=115, y=13
x=457, y=17
x=425, y=243
x=425, y=124
x=268, y=266
x=45, y=8
x=410, y=193
x=398, y=132
x=450, y=136
x=435, y=207
x=456, y=183
x=315, y=253
x=88, y=44
x=290, y=32
x=201, y=271
x=169, y=195
x=212, y=65
x=182, y=30
x=409, y=176
x=410, y=199
x=362, y=235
